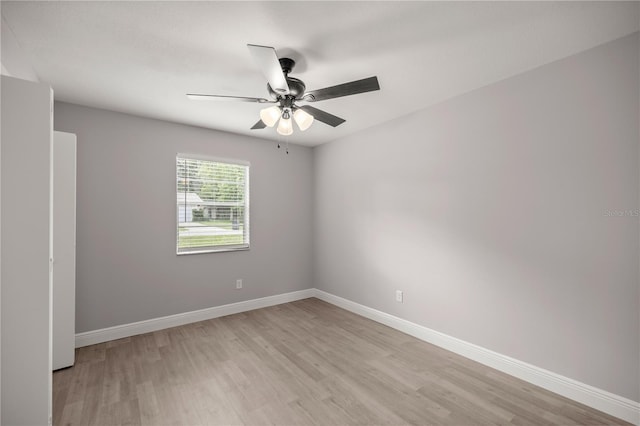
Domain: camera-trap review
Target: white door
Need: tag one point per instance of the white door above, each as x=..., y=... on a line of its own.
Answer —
x=64, y=249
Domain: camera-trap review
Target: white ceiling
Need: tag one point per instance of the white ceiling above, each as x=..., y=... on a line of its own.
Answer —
x=142, y=57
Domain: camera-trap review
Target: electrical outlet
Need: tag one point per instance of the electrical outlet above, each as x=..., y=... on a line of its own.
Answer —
x=238, y=284
x=399, y=296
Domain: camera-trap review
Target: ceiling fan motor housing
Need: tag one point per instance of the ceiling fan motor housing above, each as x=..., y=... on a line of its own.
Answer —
x=296, y=87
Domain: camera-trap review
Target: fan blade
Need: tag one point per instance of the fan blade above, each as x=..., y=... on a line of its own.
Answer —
x=352, y=88
x=267, y=61
x=259, y=125
x=325, y=117
x=198, y=97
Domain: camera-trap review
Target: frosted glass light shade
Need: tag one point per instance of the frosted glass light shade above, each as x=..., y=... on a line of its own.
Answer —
x=285, y=127
x=269, y=116
x=303, y=119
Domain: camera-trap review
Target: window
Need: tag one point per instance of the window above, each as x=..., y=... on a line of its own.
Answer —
x=213, y=204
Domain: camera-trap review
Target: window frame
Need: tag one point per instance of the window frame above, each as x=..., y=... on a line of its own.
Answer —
x=246, y=231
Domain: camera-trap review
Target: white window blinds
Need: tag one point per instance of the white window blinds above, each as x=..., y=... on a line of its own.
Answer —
x=212, y=204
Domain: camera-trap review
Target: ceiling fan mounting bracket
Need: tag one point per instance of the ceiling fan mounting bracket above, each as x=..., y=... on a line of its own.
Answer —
x=287, y=65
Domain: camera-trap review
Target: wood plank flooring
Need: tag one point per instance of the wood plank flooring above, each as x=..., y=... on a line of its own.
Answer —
x=300, y=363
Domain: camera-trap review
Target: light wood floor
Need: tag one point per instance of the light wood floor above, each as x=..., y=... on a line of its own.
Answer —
x=305, y=362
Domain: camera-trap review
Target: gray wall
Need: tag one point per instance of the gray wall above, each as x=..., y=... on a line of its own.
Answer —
x=127, y=269
x=26, y=351
x=490, y=212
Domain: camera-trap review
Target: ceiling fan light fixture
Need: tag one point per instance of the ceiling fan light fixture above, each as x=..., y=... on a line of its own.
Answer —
x=303, y=119
x=270, y=116
x=285, y=127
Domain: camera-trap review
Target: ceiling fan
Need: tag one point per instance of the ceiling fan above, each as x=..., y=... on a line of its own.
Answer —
x=285, y=91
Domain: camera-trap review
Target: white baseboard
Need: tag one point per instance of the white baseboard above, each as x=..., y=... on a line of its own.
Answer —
x=599, y=399
x=147, y=326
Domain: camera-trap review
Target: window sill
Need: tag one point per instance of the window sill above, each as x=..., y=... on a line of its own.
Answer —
x=213, y=250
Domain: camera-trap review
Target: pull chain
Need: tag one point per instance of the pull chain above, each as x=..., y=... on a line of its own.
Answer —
x=286, y=144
